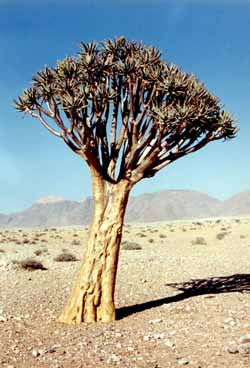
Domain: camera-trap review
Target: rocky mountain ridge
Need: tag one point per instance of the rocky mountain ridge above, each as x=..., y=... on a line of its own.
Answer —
x=159, y=206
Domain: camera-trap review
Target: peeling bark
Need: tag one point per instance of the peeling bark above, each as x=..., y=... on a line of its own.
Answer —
x=92, y=298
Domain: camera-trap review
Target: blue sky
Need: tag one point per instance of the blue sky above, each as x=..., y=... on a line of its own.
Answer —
x=207, y=38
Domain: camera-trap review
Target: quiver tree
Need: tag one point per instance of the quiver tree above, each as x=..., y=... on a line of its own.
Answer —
x=128, y=114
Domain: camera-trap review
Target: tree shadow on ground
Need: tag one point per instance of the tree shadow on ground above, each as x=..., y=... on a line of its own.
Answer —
x=214, y=285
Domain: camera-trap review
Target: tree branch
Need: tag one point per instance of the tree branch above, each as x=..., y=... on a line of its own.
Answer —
x=158, y=165
x=45, y=124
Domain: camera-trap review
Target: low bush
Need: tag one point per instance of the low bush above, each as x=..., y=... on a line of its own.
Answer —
x=126, y=245
x=39, y=252
x=220, y=236
x=141, y=235
x=75, y=242
x=65, y=257
x=199, y=241
x=30, y=264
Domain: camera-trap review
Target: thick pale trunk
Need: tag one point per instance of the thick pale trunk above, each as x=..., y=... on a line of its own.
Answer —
x=92, y=298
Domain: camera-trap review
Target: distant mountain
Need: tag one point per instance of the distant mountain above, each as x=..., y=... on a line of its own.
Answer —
x=171, y=205
x=59, y=213
x=4, y=220
x=158, y=206
x=237, y=205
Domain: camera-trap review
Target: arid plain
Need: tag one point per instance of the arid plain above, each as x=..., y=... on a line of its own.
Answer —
x=182, y=297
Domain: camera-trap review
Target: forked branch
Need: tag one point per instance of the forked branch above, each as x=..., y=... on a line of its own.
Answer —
x=122, y=108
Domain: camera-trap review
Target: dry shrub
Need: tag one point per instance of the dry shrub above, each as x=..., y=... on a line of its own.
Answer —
x=199, y=241
x=141, y=235
x=30, y=264
x=75, y=242
x=66, y=257
x=39, y=252
x=220, y=236
x=126, y=245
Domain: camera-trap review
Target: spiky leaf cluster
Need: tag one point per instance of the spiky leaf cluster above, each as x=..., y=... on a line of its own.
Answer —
x=120, y=99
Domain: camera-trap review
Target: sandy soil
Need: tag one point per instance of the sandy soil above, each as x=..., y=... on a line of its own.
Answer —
x=182, y=299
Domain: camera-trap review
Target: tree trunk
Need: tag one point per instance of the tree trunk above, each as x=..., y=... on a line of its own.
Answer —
x=92, y=298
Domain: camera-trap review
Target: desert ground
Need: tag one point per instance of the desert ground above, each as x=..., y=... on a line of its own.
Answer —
x=182, y=298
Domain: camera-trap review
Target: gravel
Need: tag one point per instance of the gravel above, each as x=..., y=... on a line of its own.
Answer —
x=164, y=320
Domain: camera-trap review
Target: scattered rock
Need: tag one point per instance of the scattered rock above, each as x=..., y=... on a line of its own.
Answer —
x=232, y=348
x=4, y=263
x=159, y=336
x=244, y=348
x=60, y=351
x=183, y=361
x=244, y=339
x=113, y=359
x=35, y=353
x=154, y=321
x=169, y=343
x=50, y=350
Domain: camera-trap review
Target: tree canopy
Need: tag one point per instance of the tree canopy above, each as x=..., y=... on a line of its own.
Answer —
x=126, y=111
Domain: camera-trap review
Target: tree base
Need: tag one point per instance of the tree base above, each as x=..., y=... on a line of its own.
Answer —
x=87, y=315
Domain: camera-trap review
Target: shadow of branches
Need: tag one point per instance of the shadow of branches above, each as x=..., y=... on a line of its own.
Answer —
x=214, y=285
